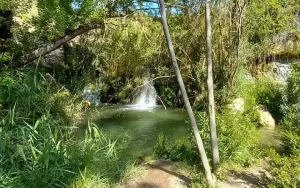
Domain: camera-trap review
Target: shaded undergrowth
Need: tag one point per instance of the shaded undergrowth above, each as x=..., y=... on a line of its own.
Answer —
x=37, y=144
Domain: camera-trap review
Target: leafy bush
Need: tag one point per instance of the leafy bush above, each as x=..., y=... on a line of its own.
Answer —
x=285, y=166
x=237, y=137
x=168, y=95
x=291, y=110
x=38, y=147
x=262, y=91
x=293, y=85
x=291, y=129
x=182, y=149
x=285, y=170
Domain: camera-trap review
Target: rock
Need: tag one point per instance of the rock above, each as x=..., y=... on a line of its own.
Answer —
x=282, y=70
x=92, y=97
x=237, y=105
x=265, y=118
x=249, y=77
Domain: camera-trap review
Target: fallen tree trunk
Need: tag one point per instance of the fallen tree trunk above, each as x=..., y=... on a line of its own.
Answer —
x=42, y=51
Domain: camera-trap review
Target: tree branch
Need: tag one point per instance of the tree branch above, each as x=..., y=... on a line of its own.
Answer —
x=42, y=51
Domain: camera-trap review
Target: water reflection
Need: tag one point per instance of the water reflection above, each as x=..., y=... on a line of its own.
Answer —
x=143, y=127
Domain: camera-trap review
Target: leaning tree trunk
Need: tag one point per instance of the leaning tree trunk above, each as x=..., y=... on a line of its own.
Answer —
x=42, y=51
x=201, y=149
x=210, y=86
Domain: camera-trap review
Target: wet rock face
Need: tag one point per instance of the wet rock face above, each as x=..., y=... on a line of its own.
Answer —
x=97, y=97
x=91, y=96
x=282, y=70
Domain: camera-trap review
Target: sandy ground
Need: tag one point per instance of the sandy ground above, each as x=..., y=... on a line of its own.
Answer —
x=164, y=174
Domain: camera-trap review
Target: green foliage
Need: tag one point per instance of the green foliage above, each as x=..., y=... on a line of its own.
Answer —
x=237, y=137
x=262, y=91
x=269, y=17
x=291, y=111
x=76, y=70
x=160, y=146
x=291, y=129
x=285, y=170
x=35, y=93
x=285, y=166
x=293, y=86
x=181, y=150
x=167, y=94
x=37, y=144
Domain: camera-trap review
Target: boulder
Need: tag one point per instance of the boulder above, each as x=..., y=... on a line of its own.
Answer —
x=237, y=105
x=265, y=118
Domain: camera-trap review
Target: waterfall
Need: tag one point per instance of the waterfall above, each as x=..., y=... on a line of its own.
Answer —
x=147, y=97
x=91, y=96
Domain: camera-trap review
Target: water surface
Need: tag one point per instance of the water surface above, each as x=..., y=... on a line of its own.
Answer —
x=144, y=126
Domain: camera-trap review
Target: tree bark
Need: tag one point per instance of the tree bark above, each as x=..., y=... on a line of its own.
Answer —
x=188, y=107
x=210, y=86
x=241, y=9
x=42, y=51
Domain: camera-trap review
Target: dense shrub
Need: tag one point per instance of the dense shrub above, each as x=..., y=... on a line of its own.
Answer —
x=237, y=136
x=285, y=166
x=37, y=143
x=291, y=110
x=285, y=170
x=264, y=91
x=291, y=129
x=181, y=150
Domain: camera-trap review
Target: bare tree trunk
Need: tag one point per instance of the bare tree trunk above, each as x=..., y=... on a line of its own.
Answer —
x=210, y=86
x=241, y=9
x=201, y=149
x=42, y=51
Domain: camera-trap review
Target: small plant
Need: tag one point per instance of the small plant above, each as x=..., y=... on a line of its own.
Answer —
x=160, y=148
x=285, y=170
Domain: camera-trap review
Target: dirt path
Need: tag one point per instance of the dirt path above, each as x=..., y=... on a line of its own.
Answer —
x=162, y=174
x=254, y=177
x=166, y=174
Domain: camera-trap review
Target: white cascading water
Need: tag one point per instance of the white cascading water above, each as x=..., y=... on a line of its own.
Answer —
x=147, y=98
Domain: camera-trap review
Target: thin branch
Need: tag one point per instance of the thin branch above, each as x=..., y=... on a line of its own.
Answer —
x=44, y=50
x=162, y=102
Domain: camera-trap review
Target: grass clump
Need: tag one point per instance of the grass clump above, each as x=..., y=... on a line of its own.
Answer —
x=38, y=147
x=237, y=134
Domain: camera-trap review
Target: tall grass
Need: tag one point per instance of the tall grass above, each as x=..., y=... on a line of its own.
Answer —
x=37, y=144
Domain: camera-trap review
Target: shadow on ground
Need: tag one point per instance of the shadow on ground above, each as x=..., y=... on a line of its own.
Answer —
x=160, y=166
x=255, y=177
x=162, y=174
